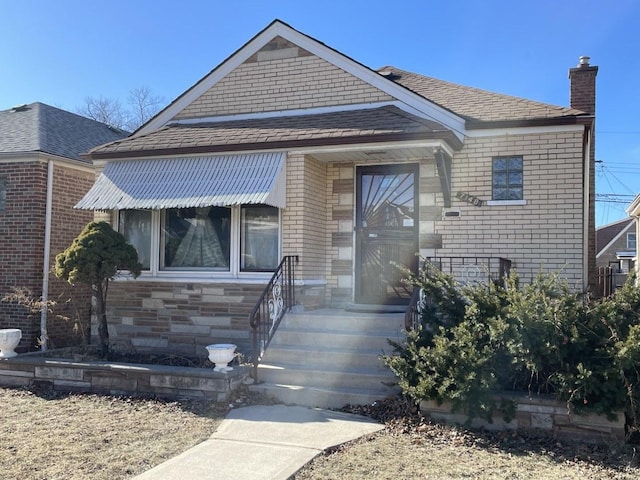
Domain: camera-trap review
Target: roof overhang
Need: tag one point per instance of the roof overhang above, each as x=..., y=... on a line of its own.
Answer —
x=161, y=183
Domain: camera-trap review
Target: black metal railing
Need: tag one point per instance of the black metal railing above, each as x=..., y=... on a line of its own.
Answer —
x=465, y=270
x=277, y=298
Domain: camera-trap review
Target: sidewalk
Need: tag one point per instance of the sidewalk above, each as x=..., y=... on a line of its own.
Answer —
x=263, y=442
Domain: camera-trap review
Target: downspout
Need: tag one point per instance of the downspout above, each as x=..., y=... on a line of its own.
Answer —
x=46, y=258
x=586, y=206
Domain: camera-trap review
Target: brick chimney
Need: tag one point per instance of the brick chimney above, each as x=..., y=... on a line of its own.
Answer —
x=583, y=97
x=583, y=86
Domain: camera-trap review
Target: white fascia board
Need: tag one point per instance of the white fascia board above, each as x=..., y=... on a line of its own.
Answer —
x=427, y=108
x=363, y=147
x=497, y=132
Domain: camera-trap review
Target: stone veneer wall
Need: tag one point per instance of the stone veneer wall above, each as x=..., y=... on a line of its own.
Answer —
x=548, y=232
x=179, y=317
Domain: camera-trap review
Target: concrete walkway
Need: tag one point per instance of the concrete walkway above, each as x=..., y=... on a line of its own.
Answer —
x=264, y=442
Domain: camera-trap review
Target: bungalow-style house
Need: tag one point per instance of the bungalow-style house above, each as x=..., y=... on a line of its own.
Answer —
x=634, y=211
x=42, y=177
x=292, y=148
x=616, y=247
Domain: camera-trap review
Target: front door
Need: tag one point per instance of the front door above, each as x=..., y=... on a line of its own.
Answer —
x=386, y=232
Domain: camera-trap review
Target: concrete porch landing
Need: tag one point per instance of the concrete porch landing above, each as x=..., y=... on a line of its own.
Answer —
x=329, y=358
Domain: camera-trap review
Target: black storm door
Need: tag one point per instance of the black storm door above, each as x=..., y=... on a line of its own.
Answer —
x=386, y=232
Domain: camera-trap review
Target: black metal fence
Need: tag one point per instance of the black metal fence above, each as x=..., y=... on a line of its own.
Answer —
x=466, y=270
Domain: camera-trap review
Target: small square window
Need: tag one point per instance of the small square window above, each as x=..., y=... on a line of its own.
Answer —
x=3, y=194
x=507, y=178
x=631, y=241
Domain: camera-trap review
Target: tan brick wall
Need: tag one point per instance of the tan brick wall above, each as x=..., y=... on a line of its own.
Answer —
x=547, y=232
x=270, y=82
x=304, y=219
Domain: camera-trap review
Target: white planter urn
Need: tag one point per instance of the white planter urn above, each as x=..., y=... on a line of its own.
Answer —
x=9, y=340
x=221, y=354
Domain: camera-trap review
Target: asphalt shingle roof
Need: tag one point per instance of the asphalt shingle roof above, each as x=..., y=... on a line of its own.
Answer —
x=300, y=129
x=606, y=233
x=38, y=127
x=474, y=103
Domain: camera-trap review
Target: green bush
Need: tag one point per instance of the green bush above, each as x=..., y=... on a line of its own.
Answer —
x=477, y=340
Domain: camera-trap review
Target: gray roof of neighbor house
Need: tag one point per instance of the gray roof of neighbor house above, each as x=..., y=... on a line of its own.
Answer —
x=38, y=127
x=474, y=103
x=356, y=126
x=606, y=233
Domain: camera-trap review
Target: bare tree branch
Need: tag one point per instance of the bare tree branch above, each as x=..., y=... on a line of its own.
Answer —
x=141, y=106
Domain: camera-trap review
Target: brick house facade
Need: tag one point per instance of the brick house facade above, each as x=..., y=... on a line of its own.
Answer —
x=42, y=177
x=378, y=165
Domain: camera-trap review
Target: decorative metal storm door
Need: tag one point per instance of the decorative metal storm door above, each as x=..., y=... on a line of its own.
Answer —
x=386, y=232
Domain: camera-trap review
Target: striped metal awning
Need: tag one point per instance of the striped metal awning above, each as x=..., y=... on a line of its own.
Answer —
x=157, y=184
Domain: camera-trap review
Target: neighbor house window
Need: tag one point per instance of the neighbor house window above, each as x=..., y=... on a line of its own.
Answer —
x=135, y=225
x=631, y=241
x=259, y=234
x=3, y=194
x=507, y=178
x=228, y=240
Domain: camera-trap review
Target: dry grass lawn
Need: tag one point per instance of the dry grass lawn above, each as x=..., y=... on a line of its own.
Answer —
x=58, y=436
x=55, y=436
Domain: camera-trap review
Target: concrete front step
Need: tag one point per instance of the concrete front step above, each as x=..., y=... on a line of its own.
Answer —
x=318, y=397
x=339, y=340
x=339, y=320
x=330, y=358
x=311, y=376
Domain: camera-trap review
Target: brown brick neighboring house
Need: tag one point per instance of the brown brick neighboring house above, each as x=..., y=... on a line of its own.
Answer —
x=289, y=147
x=42, y=177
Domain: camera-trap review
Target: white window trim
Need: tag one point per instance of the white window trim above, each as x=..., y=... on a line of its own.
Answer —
x=156, y=273
x=505, y=203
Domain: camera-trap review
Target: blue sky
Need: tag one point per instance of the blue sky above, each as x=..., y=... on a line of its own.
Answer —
x=60, y=52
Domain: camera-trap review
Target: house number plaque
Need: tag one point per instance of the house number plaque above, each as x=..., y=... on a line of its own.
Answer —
x=465, y=197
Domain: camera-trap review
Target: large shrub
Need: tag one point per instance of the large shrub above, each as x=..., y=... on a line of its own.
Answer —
x=476, y=340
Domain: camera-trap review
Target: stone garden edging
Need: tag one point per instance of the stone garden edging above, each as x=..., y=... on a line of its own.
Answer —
x=538, y=413
x=120, y=378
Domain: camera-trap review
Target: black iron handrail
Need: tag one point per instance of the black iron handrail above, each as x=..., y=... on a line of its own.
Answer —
x=277, y=298
x=465, y=269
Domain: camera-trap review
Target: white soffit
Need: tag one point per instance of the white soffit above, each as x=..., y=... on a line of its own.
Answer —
x=224, y=180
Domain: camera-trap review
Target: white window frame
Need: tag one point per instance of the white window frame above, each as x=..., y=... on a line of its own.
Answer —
x=635, y=241
x=157, y=273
